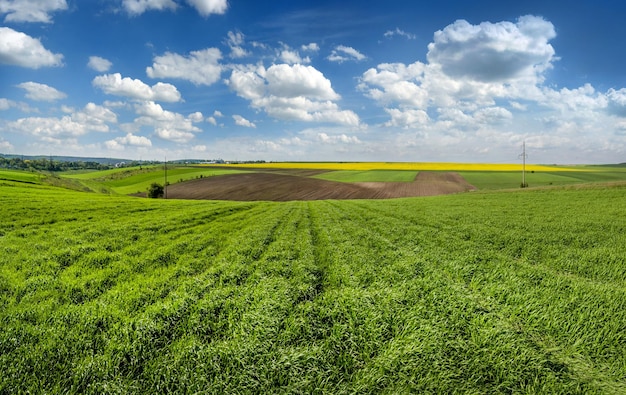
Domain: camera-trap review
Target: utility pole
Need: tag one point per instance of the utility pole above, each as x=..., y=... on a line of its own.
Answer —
x=524, y=156
x=165, y=184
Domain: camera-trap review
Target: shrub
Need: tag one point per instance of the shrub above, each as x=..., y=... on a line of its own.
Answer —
x=155, y=190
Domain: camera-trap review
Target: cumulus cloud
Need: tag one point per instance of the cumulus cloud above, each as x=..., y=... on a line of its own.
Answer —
x=138, y=7
x=41, y=92
x=235, y=41
x=96, y=116
x=291, y=92
x=92, y=118
x=6, y=104
x=114, y=84
x=130, y=139
x=204, y=7
x=31, y=10
x=19, y=49
x=493, y=115
x=342, y=138
x=312, y=47
x=200, y=67
x=168, y=125
x=396, y=83
x=297, y=80
x=291, y=56
x=617, y=102
x=409, y=118
x=494, y=51
x=342, y=54
x=99, y=64
x=241, y=121
x=470, y=69
x=208, y=7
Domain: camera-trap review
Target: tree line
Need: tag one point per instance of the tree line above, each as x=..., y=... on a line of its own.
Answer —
x=48, y=164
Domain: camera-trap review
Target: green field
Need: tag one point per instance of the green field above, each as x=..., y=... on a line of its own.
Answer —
x=369, y=175
x=504, y=180
x=495, y=292
x=18, y=175
x=128, y=181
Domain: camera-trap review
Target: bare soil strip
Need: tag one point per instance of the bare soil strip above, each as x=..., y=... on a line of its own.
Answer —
x=285, y=187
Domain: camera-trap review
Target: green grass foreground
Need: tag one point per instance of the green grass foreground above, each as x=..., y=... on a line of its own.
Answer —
x=502, y=292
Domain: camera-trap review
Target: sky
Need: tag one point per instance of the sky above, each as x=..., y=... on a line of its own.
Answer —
x=295, y=80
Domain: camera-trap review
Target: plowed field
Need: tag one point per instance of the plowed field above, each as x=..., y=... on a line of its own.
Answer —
x=274, y=186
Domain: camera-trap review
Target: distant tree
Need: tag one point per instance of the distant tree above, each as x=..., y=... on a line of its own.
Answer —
x=155, y=190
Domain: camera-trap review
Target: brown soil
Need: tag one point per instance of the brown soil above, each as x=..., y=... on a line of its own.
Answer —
x=284, y=187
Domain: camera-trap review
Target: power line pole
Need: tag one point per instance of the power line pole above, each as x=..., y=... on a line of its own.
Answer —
x=165, y=184
x=524, y=156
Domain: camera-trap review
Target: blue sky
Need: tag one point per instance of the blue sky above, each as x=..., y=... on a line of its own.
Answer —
x=452, y=81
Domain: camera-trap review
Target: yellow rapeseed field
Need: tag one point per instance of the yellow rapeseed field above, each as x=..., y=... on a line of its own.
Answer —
x=433, y=166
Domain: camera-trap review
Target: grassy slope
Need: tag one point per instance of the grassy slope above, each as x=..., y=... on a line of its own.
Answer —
x=133, y=180
x=481, y=293
x=18, y=175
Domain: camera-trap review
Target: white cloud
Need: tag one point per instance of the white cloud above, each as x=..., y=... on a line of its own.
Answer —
x=138, y=7
x=130, y=139
x=617, y=102
x=114, y=84
x=342, y=54
x=241, y=121
x=96, y=116
x=50, y=127
x=342, y=138
x=410, y=118
x=99, y=64
x=92, y=118
x=216, y=114
x=291, y=92
x=6, y=104
x=399, y=32
x=41, y=92
x=494, y=51
x=167, y=125
x=235, y=41
x=396, y=83
x=312, y=47
x=200, y=67
x=204, y=7
x=297, y=80
x=175, y=135
x=19, y=49
x=208, y=7
x=30, y=10
x=290, y=56
x=493, y=115
x=5, y=145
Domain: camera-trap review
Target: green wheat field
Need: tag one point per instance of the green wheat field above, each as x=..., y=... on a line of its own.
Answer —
x=519, y=291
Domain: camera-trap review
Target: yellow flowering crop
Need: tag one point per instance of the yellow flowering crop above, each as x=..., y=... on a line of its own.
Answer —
x=433, y=166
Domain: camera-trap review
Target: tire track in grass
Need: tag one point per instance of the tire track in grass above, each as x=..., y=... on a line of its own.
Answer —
x=134, y=339
x=251, y=322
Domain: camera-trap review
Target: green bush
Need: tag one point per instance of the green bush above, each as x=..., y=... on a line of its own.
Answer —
x=155, y=190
